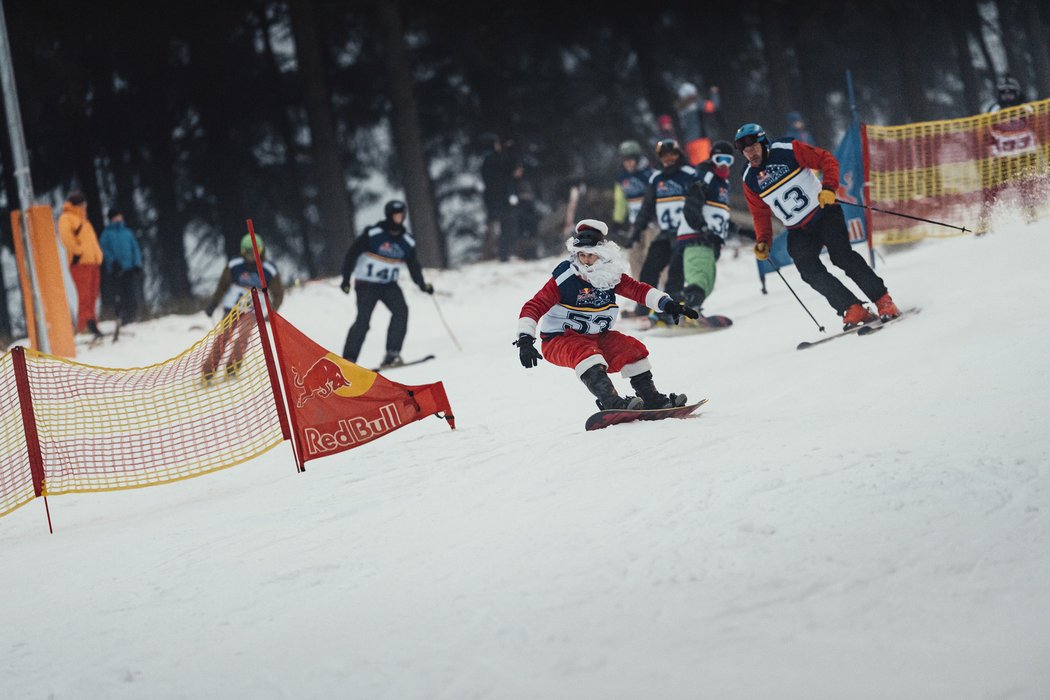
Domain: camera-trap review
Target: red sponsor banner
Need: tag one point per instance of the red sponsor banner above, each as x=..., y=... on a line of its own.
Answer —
x=337, y=405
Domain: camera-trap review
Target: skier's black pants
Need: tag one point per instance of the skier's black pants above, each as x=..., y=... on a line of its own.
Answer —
x=659, y=256
x=368, y=295
x=829, y=229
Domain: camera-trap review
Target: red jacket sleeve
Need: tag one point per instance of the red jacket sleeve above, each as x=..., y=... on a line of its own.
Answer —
x=639, y=292
x=542, y=302
x=818, y=159
x=761, y=215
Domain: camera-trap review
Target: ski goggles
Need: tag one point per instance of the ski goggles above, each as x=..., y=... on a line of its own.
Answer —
x=745, y=141
x=723, y=159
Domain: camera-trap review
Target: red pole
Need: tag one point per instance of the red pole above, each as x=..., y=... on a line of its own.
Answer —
x=300, y=462
x=25, y=401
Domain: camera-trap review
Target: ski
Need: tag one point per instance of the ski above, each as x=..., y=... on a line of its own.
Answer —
x=386, y=368
x=603, y=419
x=864, y=329
x=869, y=329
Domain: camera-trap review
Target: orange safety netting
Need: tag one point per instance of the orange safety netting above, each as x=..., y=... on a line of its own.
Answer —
x=956, y=170
x=102, y=429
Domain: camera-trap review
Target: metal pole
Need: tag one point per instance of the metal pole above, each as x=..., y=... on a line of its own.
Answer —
x=21, y=171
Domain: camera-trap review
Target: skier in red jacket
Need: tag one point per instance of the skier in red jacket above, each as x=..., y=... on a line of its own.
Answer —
x=779, y=179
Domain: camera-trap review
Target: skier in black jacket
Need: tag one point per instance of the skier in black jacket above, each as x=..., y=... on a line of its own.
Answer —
x=374, y=260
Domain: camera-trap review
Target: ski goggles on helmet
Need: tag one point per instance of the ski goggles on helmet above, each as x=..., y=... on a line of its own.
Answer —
x=723, y=159
x=745, y=141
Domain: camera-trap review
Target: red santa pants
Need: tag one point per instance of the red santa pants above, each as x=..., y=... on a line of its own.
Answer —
x=86, y=279
x=579, y=351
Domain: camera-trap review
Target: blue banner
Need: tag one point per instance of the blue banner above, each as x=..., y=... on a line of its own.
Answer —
x=850, y=155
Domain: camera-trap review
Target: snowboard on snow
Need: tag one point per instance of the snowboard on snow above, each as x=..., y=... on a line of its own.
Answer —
x=603, y=419
x=689, y=326
x=387, y=368
x=865, y=329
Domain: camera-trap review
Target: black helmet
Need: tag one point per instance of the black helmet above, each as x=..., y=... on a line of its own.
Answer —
x=589, y=233
x=722, y=147
x=394, y=206
x=664, y=146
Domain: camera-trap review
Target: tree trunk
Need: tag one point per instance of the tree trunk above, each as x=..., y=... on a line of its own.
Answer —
x=334, y=205
x=964, y=59
x=408, y=139
x=779, y=76
x=1037, y=30
x=1015, y=40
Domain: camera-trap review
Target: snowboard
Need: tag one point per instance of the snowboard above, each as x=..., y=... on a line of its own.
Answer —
x=603, y=419
x=865, y=329
x=704, y=324
x=387, y=368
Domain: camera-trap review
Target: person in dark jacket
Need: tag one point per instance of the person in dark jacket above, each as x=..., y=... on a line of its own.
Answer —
x=374, y=260
x=121, y=266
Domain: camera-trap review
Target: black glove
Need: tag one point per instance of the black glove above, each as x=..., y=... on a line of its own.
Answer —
x=209, y=309
x=345, y=286
x=677, y=309
x=427, y=288
x=76, y=259
x=636, y=235
x=529, y=355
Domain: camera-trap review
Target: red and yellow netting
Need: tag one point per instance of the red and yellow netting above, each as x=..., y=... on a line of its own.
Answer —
x=102, y=429
x=956, y=170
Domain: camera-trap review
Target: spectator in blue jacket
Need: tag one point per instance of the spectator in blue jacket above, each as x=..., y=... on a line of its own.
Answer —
x=122, y=266
x=796, y=128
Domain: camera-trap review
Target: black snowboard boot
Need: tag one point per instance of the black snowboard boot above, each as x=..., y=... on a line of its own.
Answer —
x=643, y=384
x=92, y=326
x=599, y=384
x=694, y=296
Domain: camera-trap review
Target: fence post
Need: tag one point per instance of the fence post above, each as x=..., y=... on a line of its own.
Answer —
x=25, y=401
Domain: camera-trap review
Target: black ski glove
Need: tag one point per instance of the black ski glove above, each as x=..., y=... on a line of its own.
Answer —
x=636, y=235
x=345, y=286
x=427, y=288
x=209, y=309
x=677, y=309
x=529, y=355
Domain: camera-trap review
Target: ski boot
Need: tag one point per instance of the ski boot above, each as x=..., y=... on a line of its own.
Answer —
x=651, y=398
x=856, y=315
x=392, y=359
x=92, y=327
x=694, y=296
x=599, y=384
x=660, y=320
x=886, y=308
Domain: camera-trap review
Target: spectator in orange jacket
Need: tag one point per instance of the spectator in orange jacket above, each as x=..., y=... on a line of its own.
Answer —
x=84, y=256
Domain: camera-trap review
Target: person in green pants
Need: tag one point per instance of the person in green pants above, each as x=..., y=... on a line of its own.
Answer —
x=705, y=224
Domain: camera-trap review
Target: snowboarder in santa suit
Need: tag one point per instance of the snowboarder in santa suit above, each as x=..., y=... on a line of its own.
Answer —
x=375, y=259
x=574, y=314
x=705, y=224
x=779, y=179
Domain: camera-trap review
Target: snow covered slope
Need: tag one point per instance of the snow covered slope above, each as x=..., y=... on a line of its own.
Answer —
x=866, y=519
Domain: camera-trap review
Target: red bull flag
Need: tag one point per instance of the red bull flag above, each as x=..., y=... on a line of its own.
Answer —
x=337, y=405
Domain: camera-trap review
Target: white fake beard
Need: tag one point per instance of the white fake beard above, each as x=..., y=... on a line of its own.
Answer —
x=603, y=274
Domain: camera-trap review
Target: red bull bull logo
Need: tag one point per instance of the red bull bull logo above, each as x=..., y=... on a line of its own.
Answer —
x=351, y=431
x=322, y=379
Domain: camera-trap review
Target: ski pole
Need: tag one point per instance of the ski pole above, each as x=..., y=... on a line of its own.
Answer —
x=445, y=323
x=906, y=216
x=777, y=268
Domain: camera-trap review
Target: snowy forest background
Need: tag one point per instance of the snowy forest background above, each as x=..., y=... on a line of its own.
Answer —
x=306, y=115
